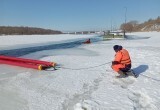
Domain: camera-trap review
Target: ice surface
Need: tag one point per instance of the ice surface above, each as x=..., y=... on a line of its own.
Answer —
x=95, y=88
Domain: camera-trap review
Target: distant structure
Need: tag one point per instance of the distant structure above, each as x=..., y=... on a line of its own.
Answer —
x=113, y=34
x=86, y=32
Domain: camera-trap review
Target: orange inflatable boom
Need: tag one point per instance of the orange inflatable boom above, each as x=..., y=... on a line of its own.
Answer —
x=28, y=63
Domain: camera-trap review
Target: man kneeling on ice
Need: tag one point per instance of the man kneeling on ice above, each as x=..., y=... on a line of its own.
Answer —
x=122, y=61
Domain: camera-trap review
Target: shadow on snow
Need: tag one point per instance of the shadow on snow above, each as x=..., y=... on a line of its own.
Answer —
x=140, y=69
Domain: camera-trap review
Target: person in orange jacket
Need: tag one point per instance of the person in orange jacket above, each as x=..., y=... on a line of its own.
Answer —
x=122, y=61
x=87, y=41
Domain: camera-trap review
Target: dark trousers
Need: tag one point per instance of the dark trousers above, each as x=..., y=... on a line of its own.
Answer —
x=127, y=67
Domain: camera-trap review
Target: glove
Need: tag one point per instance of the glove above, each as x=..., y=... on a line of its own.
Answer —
x=115, y=62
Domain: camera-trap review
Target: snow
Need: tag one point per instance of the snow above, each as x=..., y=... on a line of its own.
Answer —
x=9, y=41
x=85, y=80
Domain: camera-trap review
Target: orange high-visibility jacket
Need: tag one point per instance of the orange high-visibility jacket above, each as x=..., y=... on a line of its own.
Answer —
x=123, y=57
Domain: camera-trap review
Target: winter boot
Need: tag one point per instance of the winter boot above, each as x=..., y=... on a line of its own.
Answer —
x=132, y=73
x=122, y=74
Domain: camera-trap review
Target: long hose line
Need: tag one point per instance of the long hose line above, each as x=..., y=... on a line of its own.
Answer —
x=106, y=70
x=150, y=77
x=86, y=67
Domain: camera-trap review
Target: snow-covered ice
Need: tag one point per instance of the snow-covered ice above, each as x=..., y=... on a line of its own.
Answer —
x=76, y=86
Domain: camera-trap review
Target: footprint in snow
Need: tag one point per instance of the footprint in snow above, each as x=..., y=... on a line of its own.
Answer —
x=141, y=101
x=87, y=105
x=124, y=82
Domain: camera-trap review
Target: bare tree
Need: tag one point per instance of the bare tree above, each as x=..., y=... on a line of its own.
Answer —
x=8, y=30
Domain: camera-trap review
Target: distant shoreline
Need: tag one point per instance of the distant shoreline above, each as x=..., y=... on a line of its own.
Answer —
x=10, y=30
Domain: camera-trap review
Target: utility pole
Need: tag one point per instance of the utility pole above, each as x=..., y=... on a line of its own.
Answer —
x=125, y=19
x=111, y=26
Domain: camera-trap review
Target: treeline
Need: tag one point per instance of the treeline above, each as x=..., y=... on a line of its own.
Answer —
x=9, y=30
x=134, y=26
